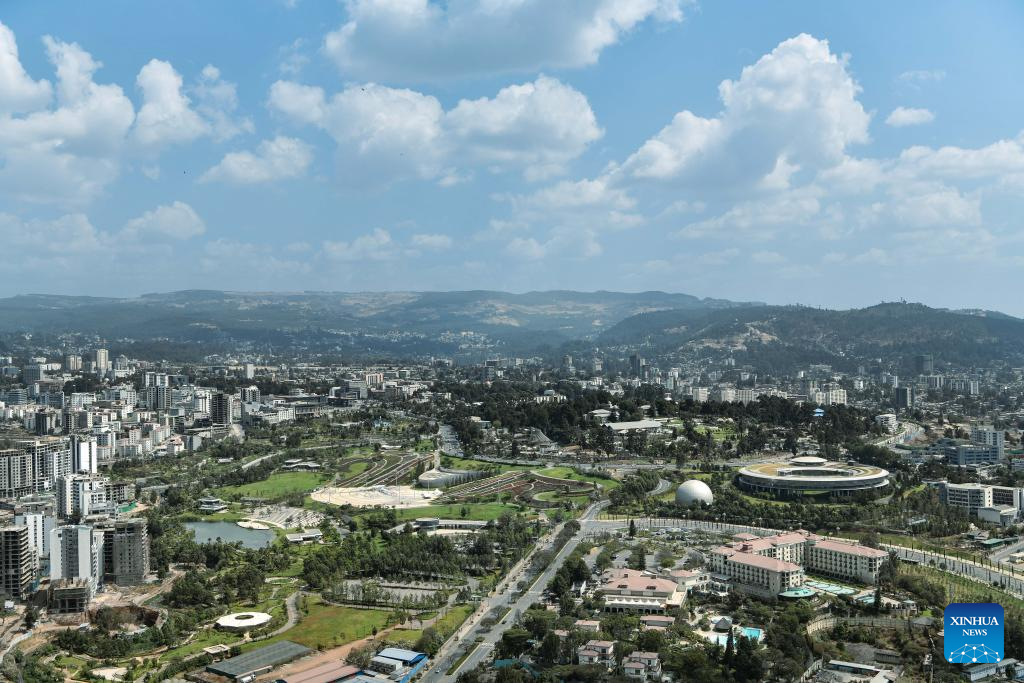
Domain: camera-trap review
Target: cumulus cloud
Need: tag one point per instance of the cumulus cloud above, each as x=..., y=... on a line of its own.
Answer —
x=18, y=91
x=177, y=221
x=798, y=105
x=67, y=152
x=415, y=40
x=388, y=133
x=281, y=158
x=64, y=143
x=909, y=116
x=166, y=115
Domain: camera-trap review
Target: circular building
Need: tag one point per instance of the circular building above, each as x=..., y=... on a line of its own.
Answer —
x=243, y=621
x=812, y=476
x=694, y=491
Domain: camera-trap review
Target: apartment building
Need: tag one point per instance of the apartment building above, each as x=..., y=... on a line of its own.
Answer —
x=17, y=562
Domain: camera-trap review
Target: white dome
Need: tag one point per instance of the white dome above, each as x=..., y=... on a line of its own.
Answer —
x=694, y=491
x=243, y=621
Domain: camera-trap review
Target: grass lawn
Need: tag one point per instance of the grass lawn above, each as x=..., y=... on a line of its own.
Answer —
x=326, y=626
x=204, y=638
x=351, y=469
x=275, y=486
x=570, y=473
x=446, y=625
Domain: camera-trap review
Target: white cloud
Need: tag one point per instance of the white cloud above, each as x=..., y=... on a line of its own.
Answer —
x=386, y=133
x=217, y=101
x=909, y=116
x=166, y=116
x=278, y=159
x=68, y=153
x=176, y=221
x=918, y=77
x=525, y=248
x=292, y=58
x=412, y=40
x=796, y=107
x=69, y=235
x=539, y=126
x=758, y=219
x=431, y=241
x=374, y=246
x=18, y=92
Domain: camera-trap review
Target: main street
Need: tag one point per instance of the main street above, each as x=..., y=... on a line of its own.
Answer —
x=502, y=601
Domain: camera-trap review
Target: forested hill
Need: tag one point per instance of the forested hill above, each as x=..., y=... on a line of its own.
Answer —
x=817, y=334
x=392, y=324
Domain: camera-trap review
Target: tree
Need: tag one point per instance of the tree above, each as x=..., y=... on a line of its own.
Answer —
x=514, y=642
x=549, y=648
x=632, y=528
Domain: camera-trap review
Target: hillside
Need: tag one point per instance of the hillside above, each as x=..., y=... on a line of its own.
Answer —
x=385, y=323
x=820, y=334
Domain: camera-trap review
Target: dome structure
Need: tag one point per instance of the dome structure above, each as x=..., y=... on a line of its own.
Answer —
x=243, y=621
x=694, y=491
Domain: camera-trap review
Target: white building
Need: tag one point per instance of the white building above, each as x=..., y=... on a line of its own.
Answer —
x=76, y=552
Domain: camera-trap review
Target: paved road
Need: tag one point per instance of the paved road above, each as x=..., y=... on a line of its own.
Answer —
x=1014, y=582
x=662, y=487
x=502, y=600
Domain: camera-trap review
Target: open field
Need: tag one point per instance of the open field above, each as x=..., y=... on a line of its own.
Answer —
x=446, y=625
x=277, y=485
x=327, y=626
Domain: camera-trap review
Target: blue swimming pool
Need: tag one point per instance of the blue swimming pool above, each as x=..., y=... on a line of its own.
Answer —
x=752, y=633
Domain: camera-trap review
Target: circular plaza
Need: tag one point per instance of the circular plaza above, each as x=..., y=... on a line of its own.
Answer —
x=811, y=476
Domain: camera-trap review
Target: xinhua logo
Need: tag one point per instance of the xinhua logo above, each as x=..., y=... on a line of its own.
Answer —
x=973, y=632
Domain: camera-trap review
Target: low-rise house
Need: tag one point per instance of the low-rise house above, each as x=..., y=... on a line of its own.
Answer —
x=597, y=652
x=642, y=666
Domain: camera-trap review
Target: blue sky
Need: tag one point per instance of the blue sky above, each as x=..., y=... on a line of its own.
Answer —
x=834, y=154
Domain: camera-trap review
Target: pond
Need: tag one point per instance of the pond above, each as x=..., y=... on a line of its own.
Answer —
x=229, y=532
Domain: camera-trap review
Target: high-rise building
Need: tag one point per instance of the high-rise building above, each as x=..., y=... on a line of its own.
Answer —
x=45, y=421
x=82, y=495
x=249, y=371
x=250, y=394
x=76, y=552
x=637, y=364
x=125, y=551
x=924, y=364
x=84, y=454
x=39, y=523
x=33, y=465
x=101, y=361
x=220, y=408
x=72, y=362
x=904, y=397
x=17, y=563
x=987, y=435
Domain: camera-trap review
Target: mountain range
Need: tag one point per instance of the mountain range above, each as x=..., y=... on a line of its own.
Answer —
x=472, y=324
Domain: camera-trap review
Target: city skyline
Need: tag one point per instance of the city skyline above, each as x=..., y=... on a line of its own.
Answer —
x=624, y=147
